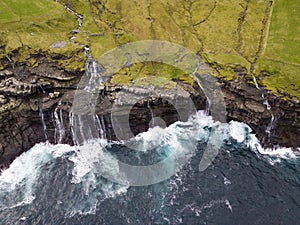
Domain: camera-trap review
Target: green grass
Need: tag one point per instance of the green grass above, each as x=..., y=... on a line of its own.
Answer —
x=32, y=26
x=219, y=32
x=251, y=29
x=283, y=80
x=216, y=29
x=284, y=39
x=282, y=54
x=189, y=25
x=157, y=74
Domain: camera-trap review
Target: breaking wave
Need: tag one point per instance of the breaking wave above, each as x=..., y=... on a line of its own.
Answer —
x=84, y=169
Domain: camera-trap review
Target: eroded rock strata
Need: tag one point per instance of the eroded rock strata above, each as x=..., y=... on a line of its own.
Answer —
x=32, y=97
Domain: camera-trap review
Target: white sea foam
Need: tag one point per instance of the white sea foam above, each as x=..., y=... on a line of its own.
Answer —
x=277, y=154
x=18, y=181
x=237, y=131
x=23, y=172
x=273, y=155
x=23, y=218
x=90, y=158
x=281, y=152
x=226, y=181
x=228, y=204
x=84, y=159
x=148, y=140
x=195, y=129
x=91, y=166
x=91, y=161
x=198, y=210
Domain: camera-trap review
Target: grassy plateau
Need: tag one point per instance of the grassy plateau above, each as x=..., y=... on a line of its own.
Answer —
x=261, y=36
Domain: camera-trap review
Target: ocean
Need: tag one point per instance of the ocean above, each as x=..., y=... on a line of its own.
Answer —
x=243, y=183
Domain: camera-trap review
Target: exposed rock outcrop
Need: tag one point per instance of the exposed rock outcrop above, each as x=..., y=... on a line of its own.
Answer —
x=245, y=103
x=29, y=96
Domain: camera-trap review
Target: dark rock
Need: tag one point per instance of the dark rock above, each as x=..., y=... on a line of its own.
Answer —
x=26, y=92
x=255, y=106
x=3, y=100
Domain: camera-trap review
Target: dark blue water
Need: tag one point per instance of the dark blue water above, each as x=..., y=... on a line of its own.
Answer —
x=51, y=184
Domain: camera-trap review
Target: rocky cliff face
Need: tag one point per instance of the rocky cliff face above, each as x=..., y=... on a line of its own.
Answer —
x=35, y=105
x=42, y=60
x=245, y=103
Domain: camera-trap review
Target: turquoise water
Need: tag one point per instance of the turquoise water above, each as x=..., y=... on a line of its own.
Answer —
x=244, y=184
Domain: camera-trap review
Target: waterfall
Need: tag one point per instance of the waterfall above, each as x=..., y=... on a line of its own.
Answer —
x=151, y=112
x=208, y=99
x=93, y=70
x=41, y=114
x=71, y=121
x=100, y=126
x=79, y=123
x=10, y=61
x=266, y=103
x=85, y=123
x=86, y=127
x=208, y=106
x=59, y=124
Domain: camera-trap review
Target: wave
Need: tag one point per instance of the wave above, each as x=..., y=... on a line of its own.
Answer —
x=91, y=162
x=17, y=182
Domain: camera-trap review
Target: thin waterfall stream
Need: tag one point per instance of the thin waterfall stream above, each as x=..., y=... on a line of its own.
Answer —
x=152, y=120
x=59, y=124
x=91, y=71
x=10, y=61
x=41, y=114
x=266, y=103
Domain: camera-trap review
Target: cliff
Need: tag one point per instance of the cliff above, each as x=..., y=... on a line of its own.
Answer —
x=44, y=47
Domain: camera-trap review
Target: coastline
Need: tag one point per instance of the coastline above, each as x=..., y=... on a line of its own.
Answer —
x=30, y=97
x=43, y=52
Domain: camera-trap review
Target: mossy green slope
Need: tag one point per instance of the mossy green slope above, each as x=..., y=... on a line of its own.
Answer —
x=281, y=58
x=30, y=27
x=258, y=35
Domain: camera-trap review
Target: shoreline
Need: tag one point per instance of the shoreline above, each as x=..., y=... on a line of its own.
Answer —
x=27, y=91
